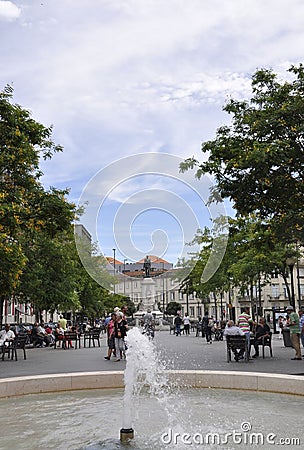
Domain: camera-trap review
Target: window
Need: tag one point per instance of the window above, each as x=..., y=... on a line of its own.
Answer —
x=191, y=311
x=275, y=291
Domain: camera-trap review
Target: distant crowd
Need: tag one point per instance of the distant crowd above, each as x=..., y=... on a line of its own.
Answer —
x=254, y=332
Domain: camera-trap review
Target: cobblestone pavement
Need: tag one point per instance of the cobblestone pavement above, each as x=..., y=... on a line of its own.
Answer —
x=182, y=352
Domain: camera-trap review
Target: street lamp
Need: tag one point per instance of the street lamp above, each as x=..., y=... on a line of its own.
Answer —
x=290, y=263
x=163, y=288
x=124, y=272
x=114, y=262
x=187, y=298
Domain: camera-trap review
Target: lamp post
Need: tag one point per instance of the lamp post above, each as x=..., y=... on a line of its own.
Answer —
x=290, y=263
x=299, y=277
x=187, y=297
x=222, y=315
x=124, y=273
x=163, y=289
x=114, y=263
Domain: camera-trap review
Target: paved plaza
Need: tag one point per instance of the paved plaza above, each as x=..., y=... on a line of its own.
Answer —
x=182, y=352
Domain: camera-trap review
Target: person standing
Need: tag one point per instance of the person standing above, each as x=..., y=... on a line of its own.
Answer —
x=186, y=321
x=301, y=314
x=294, y=327
x=178, y=323
x=63, y=323
x=281, y=326
x=110, y=336
x=244, y=321
x=207, y=329
x=120, y=332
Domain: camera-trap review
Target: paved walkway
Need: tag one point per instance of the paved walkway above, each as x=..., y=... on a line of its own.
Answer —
x=183, y=352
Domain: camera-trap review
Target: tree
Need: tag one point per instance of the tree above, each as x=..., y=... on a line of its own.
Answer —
x=172, y=308
x=49, y=279
x=252, y=256
x=258, y=161
x=25, y=207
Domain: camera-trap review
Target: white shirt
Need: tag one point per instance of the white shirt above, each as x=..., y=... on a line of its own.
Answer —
x=6, y=336
x=233, y=331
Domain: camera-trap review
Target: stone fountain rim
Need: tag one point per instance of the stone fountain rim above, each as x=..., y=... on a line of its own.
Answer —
x=245, y=381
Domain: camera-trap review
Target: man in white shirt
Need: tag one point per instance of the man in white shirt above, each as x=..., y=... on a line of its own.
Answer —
x=232, y=330
x=6, y=335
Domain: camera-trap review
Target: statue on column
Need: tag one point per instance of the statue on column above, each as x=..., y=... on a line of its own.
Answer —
x=147, y=266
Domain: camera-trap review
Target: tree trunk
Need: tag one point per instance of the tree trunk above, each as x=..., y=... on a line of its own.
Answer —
x=2, y=298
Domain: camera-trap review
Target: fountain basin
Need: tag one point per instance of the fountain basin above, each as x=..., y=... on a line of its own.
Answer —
x=90, y=420
x=251, y=381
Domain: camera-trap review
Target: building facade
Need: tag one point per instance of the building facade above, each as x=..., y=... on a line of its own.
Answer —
x=263, y=299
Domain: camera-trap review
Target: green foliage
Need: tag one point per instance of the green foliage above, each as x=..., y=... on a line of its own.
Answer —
x=12, y=262
x=49, y=279
x=257, y=161
x=172, y=308
x=36, y=261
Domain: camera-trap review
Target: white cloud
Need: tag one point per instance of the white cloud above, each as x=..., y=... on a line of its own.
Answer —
x=9, y=11
x=132, y=76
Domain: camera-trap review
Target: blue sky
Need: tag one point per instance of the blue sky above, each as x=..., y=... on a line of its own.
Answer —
x=123, y=78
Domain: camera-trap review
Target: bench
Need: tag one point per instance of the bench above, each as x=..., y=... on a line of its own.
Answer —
x=66, y=338
x=235, y=344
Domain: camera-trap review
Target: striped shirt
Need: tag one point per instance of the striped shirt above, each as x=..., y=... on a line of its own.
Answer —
x=294, y=318
x=244, y=322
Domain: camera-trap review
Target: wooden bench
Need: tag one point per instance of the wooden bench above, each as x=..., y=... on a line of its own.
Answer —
x=235, y=344
x=66, y=338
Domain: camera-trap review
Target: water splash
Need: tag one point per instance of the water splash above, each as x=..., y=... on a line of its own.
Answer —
x=144, y=371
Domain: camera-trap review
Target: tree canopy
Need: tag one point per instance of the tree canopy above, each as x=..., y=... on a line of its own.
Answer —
x=258, y=161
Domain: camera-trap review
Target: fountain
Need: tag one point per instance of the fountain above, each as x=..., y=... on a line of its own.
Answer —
x=142, y=370
x=165, y=408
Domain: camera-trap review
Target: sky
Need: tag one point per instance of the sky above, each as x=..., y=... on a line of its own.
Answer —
x=131, y=88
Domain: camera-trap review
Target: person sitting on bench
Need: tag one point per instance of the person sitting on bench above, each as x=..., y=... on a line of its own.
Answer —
x=233, y=330
x=261, y=331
